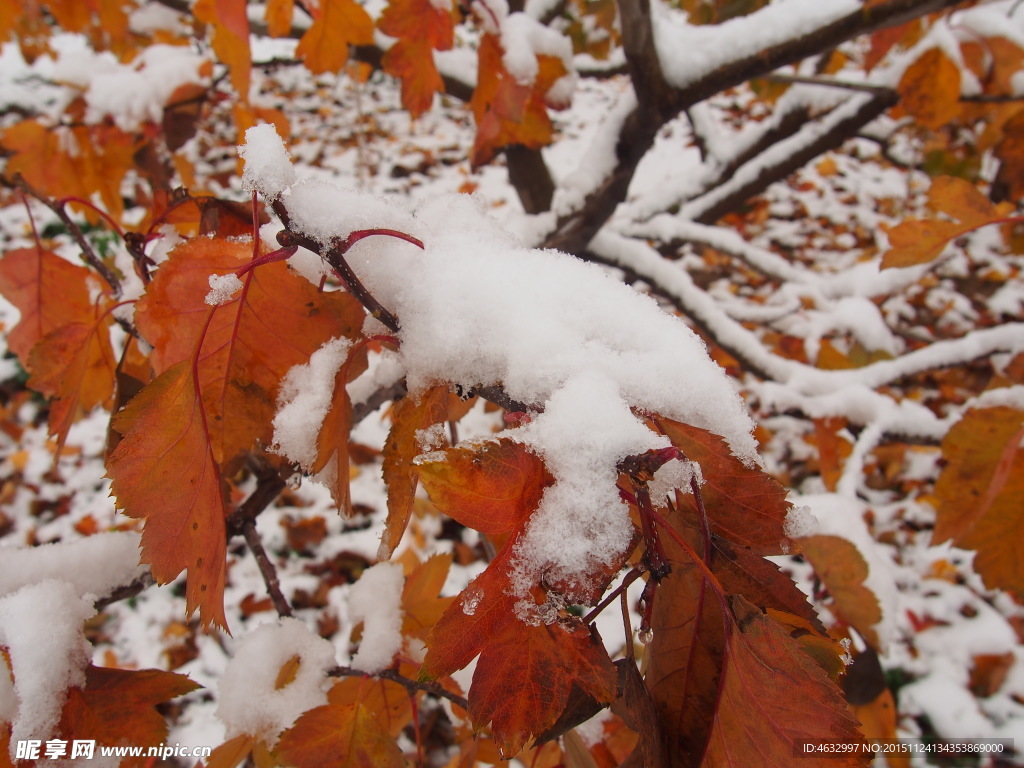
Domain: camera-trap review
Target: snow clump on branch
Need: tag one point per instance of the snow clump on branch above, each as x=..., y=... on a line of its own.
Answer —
x=477, y=309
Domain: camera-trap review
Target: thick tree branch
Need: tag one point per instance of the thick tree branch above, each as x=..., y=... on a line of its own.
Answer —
x=824, y=134
x=639, y=130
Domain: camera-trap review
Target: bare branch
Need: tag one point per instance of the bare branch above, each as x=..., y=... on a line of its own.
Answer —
x=267, y=570
x=59, y=209
x=639, y=130
x=433, y=688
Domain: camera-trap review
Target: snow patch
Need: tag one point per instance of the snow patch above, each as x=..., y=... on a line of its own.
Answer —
x=376, y=600
x=248, y=698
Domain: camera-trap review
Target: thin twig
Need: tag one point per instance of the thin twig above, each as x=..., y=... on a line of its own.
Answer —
x=127, y=591
x=267, y=569
x=433, y=688
x=75, y=231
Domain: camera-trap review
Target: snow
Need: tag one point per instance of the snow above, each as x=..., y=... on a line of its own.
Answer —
x=249, y=699
x=95, y=566
x=305, y=397
x=131, y=93
x=268, y=166
x=687, y=53
x=223, y=288
x=476, y=308
x=41, y=627
x=376, y=600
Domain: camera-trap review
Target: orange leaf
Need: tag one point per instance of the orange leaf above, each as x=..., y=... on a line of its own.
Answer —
x=980, y=490
x=337, y=24
x=117, y=707
x=421, y=28
x=48, y=291
x=163, y=470
x=232, y=752
x=930, y=89
x=840, y=565
x=75, y=365
x=421, y=606
x=492, y=488
x=278, y=320
x=344, y=735
x=387, y=702
x=1010, y=152
x=332, y=441
x=409, y=417
x=918, y=241
x=961, y=200
x=230, y=42
x=507, y=111
x=279, y=17
x=745, y=505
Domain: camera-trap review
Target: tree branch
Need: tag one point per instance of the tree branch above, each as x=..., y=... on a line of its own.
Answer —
x=267, y=570
x=776, y=162
x=433, y=688
x=575, y=230
x=59, y=209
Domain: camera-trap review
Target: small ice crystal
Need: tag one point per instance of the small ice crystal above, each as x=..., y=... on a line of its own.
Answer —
x=471, y=598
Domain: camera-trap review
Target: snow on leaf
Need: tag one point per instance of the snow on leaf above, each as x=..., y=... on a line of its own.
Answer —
x=277, y=322
x=118, y=706
x=507, y=111
x=337, y=24
x=230, y=38
x=163, y=471
x=840, y=565
x=421, y=28
x=344, y=735
x=48, y=291
x=75, y=365
x=930, y=89
x=980, y=490
x=745, y=505
x=492, y=488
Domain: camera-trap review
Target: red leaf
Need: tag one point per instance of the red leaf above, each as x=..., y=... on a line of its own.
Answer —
x=117, y=707
x=745, y=505
x=546, y=661
x=507, y=111
x=345, y=735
